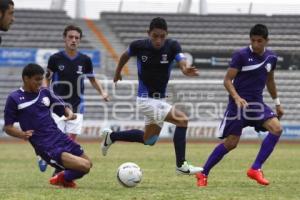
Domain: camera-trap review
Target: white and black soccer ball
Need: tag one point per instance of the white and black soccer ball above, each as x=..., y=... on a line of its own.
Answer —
x=129, y=174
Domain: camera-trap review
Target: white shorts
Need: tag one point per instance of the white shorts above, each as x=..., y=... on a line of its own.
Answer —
x=70, y=126
x=154, y=110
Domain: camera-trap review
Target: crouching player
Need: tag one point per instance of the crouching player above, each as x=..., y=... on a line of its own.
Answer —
x=31, y=106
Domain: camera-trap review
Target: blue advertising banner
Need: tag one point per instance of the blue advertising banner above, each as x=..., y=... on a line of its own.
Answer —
x=18, y=57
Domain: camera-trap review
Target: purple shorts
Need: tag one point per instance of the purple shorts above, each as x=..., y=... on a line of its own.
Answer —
x=52, y=153
x=236, y=119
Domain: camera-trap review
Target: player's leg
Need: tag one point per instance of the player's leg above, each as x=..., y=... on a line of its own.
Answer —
x=267, y=147
x=148, y=107
x=230, y=129
x=109, y=137
x=178, y=118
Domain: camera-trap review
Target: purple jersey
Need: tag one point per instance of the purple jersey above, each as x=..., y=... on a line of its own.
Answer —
x=253, y=71
x=32, y=111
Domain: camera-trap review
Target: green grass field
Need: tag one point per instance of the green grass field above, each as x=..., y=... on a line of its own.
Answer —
x=20, y=178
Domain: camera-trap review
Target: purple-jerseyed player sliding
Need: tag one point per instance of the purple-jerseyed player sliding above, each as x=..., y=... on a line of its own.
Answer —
x=31, y=106
x=251, y=69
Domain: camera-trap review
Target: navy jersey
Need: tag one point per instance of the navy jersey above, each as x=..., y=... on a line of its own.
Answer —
x=154, y=65
x=32, y=111
x=68, y=77
x=253, y=71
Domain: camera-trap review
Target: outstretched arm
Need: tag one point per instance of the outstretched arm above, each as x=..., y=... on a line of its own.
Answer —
x=123, y=60
x=98, y=86
x=230, y=75
x=271, y=86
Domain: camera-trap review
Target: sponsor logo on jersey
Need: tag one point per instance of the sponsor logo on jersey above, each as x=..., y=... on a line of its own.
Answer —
x=164, y=59
x=61, y=67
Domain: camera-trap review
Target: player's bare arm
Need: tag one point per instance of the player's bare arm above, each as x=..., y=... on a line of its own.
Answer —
x=48, y=77
x=123, y=60
x=230, y=75
x=188, y=70
x=271, y=86
x=15, y=132
x=98, y=86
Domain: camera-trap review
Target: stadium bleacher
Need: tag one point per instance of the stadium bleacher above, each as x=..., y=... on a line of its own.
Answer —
x=36, y=28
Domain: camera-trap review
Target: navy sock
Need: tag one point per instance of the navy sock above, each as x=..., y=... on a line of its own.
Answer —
x=265, y=151
x=133, y=135
x=179, y=140
x=70, y=175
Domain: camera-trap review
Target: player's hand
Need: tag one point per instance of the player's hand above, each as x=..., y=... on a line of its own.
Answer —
x=190, y=71
x=27, y=134
x=105, y=96
x=240, y=102
x=117, y=77
x=69, y=115
x=279, y=111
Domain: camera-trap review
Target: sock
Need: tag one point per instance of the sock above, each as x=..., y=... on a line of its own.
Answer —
x=133, y=135
x=215, y=157
x=179, y=140
x=265, y=151
x=70, y=175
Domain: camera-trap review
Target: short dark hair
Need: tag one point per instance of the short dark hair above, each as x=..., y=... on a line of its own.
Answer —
x=32, y=69
x=4, y=5
x=259, y=29
x=72, y=28
x=158, y=22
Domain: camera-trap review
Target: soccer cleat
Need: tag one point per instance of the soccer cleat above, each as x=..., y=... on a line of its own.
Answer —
x=106, y=141
x=258, y=176
x=201, y=180
x=42, y=164
x=188, y=169
x=60, y=181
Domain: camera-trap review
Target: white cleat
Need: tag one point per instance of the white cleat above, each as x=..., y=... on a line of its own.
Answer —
x=187, y=169
x=106, y=141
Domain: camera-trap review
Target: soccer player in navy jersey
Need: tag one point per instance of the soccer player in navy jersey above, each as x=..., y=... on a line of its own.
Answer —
x=6, y=14
x=31, y=106
x=66, y=71
x=251, y=69
x=154, y=57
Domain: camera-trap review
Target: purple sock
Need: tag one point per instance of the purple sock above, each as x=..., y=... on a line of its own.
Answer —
x=133, y=135
x=265, y=151
x=179, y=140
x=70, y=175
x=214, y=158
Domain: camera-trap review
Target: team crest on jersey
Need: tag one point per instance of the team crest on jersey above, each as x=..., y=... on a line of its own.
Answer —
x=79, y=69
x=144, y=58
x=164, y=59
x=268, y=67
x=46, y=101
x=61, y=67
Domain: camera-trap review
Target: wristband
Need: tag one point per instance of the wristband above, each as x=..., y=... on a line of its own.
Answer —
x=276, y=101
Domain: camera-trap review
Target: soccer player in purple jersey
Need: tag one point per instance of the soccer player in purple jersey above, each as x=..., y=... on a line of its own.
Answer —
x=31, y=106
x=154, y=58
x=6, y=14
x=251, y=69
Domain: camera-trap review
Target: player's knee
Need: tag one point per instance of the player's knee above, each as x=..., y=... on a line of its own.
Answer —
x=183, y=121
x=86, y=166
x=230, y=145
x=277, y=130
x=151, y=141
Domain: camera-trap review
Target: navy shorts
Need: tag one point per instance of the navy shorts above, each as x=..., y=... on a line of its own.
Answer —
x=236, y=119
x=52, y=153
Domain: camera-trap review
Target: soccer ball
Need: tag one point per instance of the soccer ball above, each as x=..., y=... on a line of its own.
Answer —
x=129, y=174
